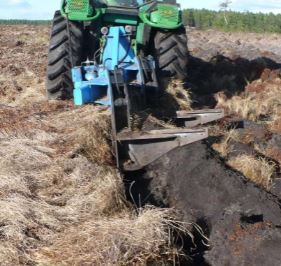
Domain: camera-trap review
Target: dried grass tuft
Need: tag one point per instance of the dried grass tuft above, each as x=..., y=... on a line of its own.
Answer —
x=176, y=97
x=259, y=171
x=145, y=238
x=180, y=94
x=95, y=138
x=252, y=105
x=225, y=147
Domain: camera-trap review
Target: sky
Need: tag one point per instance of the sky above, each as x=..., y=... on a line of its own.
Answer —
x=37, y=9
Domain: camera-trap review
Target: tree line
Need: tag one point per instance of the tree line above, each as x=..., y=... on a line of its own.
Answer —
x=236, y=21
x=207, y=19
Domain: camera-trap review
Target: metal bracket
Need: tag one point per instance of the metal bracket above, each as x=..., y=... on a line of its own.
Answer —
x=200, y=117
x=144, y=148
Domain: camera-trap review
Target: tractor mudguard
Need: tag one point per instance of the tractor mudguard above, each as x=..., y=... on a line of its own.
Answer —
x=79, y=10
x=161, y=15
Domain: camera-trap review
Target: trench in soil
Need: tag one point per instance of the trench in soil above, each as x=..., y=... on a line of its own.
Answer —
x=139, y=193
x=229, y=203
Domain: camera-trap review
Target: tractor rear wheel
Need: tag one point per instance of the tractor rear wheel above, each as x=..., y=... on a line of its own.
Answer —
x=63, y=52
x=171, y=54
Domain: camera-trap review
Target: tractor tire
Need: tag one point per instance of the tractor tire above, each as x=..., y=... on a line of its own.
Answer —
x=171, y=54
x=63, y=52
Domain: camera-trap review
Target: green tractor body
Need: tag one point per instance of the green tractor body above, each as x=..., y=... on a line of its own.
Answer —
x=157, y=14
x=155, y=27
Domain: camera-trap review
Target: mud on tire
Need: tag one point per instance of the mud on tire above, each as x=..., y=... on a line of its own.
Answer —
x=171, y=53
x=59, y=84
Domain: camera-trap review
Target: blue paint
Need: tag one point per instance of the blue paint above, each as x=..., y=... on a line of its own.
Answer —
x=92, y=83
x=118, y=51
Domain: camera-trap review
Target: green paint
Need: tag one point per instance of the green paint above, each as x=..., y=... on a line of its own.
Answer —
x=140, y=33
x=164, y=16
x=120, y=19
x=80, y=10
x=124, y=3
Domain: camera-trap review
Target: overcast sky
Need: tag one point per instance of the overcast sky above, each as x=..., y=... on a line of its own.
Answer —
x=37, y=9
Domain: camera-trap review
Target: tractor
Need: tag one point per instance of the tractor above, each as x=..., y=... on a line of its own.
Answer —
x=122, y=54
x=79, y=29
